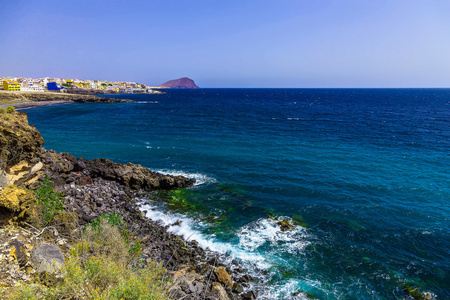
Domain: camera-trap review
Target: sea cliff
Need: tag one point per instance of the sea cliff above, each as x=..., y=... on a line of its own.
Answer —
x=91, y=191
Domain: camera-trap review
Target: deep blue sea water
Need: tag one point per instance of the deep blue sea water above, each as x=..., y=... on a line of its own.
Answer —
x=363, y=173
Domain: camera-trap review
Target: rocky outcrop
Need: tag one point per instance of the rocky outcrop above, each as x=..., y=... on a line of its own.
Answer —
x=134, y=176
x=64, y=166
x=18, y=140
x=20, y=146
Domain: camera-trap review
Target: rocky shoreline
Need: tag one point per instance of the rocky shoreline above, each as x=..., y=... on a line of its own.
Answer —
x=32, y=99
x=100, y=186
x=92, y=188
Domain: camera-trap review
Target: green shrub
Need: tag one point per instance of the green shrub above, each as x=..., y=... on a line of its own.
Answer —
x=10, y=109
x=112, y=219
x=51, y=201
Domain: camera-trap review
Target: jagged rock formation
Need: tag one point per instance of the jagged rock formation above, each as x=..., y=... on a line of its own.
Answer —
x=64, y=166
x=135, y=176
x=181, y=83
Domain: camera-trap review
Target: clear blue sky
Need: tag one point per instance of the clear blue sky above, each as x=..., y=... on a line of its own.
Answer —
x=283, y=43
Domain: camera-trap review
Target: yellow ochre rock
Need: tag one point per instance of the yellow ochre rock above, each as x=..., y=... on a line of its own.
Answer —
x=223, y=276
x=24, y=172
x=16, y=199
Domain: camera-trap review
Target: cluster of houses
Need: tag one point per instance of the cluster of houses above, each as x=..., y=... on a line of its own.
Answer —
x=71, y=85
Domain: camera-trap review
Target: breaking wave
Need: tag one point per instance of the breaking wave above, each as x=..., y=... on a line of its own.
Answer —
x=200, y=178
x=257, y=249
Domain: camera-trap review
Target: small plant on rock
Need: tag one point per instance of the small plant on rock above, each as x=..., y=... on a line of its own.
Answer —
x=10, y=109
x=112, y=219
x=51, y=201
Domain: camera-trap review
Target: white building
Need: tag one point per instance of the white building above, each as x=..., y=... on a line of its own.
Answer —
x=32, y=88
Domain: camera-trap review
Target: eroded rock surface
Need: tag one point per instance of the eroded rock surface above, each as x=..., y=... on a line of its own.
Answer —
x=19, y=147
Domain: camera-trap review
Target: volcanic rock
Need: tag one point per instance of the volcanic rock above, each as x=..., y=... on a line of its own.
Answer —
x=181, y=83
x=135, y=176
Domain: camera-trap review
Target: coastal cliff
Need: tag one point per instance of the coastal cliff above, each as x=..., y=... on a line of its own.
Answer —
x=92, y=192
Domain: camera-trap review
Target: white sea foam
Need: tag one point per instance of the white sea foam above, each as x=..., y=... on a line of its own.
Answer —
x=200, y=178
x=265, y=231
x=248, y=251
x=190, y=230
x=153, y=102
x=284, y=290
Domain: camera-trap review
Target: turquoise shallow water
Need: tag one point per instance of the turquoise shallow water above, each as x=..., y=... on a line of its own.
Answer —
x=363, y=173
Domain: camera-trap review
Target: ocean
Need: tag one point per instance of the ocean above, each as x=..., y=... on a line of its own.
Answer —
x=362, y=174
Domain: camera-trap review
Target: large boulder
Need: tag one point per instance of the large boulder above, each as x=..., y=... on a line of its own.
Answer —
x=134, y=176
x=47, y=258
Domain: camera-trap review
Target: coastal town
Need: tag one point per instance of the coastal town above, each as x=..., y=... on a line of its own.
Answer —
x=76, y=86
x=21, y=92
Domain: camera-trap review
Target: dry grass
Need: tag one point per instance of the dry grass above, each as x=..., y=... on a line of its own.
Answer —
x=108, y=241
x=98, y=267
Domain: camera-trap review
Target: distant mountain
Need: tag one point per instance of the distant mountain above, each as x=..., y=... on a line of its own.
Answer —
x=182, y=83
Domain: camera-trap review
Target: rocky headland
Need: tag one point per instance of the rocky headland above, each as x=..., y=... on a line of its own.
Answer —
x=30, y=247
